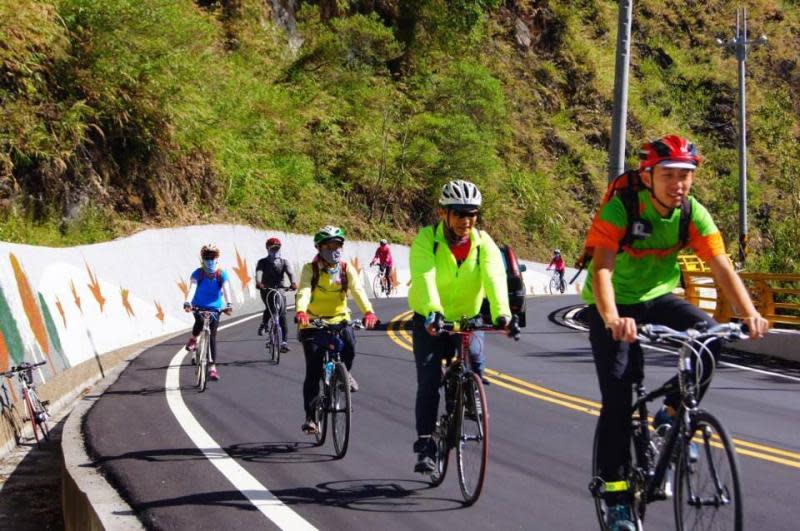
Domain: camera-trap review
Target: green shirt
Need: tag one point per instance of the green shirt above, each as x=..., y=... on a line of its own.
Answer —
x=649, y=269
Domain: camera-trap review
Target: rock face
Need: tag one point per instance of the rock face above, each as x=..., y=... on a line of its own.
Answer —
x=284, y=15
x=522, y=34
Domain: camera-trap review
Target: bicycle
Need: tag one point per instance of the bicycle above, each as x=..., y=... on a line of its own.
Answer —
x=381, y=283
x=334, y=387
x=34, y=406
x=705, y=477
x=12, y=416
x=463, y=419
x=556, y=284
x=202, y=354
x=274, y=333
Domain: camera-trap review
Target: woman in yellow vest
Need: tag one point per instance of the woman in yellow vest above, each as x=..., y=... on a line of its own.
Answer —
x=322, y=294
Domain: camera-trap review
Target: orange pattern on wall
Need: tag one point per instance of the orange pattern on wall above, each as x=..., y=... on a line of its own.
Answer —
x=94, y=287
x=125, y=303
x=4, y=356
x=241, y=271
x=75, y=296
x=160, y=312
x=184, y=287
x=61, y=311
x=31, y=308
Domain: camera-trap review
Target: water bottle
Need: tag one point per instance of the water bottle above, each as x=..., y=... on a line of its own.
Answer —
x=328, y=372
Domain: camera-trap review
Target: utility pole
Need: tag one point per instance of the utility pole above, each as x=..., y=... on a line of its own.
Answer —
x=739, y=45
x=616, y=163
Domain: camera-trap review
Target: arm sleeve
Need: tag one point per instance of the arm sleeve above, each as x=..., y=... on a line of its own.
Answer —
x=422, y=263
x=192, y=287
x=608, y=226
x=226, y=289
x=356, y=289
x=704, y=236
x=493, y=276
x=303, y=296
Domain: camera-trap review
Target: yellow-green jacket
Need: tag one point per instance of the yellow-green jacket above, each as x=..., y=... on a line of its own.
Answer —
x=438, y=284
x=327, y=300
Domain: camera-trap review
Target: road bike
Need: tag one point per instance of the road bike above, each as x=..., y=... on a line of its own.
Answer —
x=463, y=418
x=334, y=398
x=381, y=283
x=202, y=354
x=557, y=284
x=35, y=408
x=276, y=303
x=692, y=459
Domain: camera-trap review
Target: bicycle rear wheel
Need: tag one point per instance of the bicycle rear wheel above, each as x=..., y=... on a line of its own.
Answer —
x=341, y=410
x=32, y=416
x=472, y=449
x=40, y=414
x=321, y=413
x=707, y=491
x=442, y=438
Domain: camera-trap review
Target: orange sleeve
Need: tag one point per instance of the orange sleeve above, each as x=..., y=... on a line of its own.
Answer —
x=605, y=234
x=706, y=247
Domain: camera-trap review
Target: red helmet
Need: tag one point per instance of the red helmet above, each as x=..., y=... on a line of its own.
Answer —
x=272, y=242
x=671, y=151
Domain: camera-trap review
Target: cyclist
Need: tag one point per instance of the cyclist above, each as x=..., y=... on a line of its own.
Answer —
x=383, y=257
x=453, y=266
x=324, y=285
x=270, y=272
x=558, y=263
x=208, y=286
x=634, y=285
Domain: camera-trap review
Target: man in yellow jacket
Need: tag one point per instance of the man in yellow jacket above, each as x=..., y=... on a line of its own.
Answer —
x=453, y=267
x=322, y=294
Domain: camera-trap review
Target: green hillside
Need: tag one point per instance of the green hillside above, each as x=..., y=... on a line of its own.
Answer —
x=125, y=114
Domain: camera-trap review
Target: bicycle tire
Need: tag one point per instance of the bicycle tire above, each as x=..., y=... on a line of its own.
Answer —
x=341, y=410
x=377, y=288
x=442, y=438
x=31, y=416
x=41, y=414
x=716, y=457
x=14, y=420
x=553, y=286
x=271, y=346
x=202, y=362
x=473, y=427
x=277, y=337
x=321, y=413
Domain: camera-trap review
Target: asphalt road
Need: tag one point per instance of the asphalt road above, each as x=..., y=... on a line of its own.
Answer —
x=543, y=405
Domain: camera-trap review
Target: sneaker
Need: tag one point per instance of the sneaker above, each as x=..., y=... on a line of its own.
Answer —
x=285, y=347
x=191, y=345
x=261, y=329
x=618, y=518
x=353, y=385
x=309, y=427
x=213, y=374
x=426, y=455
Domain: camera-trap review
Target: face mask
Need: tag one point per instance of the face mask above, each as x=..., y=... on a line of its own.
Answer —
x=210, y=265
x=274, y=252
x=331, y=256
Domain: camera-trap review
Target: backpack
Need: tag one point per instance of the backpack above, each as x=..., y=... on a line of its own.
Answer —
x=203, y=275
x=514, y=281
x=342, y=275
x=627, y=187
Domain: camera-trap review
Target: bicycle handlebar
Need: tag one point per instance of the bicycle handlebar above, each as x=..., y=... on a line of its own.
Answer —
x=654, y=333
x=477, y=324
x=24, y=366
x=324, y=325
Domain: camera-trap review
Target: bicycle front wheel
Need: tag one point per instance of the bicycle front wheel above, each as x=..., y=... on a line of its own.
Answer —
x=202, y=362
x=707, y=491
x=377, y=286
x=341, y=410
x=40, y=415
x=472, y=449
x=553, y=287
x=32, y=416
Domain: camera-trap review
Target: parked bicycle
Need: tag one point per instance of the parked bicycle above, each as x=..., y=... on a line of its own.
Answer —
x=35, y=408
x=381, y=283
x=463, y=419
x=694, y=461
x=557, y=284
x=202, y=354
x=10, y=414
x=334, y=388
x=276, y=303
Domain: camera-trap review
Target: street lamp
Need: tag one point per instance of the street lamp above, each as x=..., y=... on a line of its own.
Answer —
x=739, y=45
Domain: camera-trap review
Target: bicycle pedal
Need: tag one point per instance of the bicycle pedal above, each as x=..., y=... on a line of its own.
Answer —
x=45, y=403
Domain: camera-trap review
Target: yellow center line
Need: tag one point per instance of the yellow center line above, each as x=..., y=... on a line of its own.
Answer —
x=584, y=405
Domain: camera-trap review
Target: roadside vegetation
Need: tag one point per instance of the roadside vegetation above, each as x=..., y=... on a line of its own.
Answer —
x=125, y=114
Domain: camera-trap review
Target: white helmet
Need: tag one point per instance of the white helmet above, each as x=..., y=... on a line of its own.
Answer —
x=460, y=194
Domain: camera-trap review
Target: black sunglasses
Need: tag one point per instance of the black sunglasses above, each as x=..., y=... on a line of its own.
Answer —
x=466, y=213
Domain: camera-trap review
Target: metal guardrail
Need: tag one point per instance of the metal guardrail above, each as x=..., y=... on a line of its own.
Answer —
x=776, y=296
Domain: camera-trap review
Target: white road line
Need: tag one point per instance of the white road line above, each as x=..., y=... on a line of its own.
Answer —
x=572, y=323
x=266, y=502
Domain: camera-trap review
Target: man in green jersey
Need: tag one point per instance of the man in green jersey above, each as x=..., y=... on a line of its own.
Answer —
x=453, y=266
x=634, y=285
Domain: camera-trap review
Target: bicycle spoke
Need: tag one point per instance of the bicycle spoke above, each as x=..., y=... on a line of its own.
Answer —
x=441, y=437
x=321, y=414
x=340, y=409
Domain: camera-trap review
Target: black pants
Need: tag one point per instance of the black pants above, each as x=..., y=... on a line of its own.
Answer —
x=620, y=364
x=429, y=351
x=198, y=327
x=271, y=309
x=314, y=355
